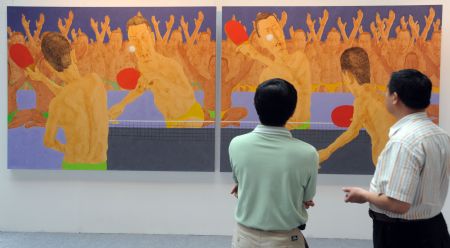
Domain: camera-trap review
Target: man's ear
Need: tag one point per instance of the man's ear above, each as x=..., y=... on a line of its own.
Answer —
x=347, y=77
x=395, y=99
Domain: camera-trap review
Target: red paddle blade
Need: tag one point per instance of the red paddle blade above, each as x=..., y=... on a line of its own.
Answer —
x=342, y=115
x=21, y=55
x=236, y=32
x=128, y=78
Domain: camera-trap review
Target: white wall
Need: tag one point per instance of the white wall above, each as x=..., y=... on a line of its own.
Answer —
x=167, y=202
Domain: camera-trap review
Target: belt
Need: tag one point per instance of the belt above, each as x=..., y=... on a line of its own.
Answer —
x=384, y=218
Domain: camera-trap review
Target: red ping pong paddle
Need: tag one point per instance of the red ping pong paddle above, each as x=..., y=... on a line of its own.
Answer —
x=21, y=55
x=236, y=32
x=127, y=78
x=342, y=115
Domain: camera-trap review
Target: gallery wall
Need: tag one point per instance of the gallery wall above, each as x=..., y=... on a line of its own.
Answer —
x=168, y=202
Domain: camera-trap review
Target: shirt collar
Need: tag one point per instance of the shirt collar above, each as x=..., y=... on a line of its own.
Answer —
x=405, y=120
x=272, y=130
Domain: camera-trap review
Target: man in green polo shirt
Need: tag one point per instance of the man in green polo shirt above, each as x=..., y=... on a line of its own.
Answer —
x=275, y=174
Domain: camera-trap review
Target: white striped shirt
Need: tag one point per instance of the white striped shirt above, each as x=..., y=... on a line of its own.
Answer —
x=414, y=167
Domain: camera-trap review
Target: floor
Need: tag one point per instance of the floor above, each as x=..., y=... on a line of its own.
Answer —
x=71, y=240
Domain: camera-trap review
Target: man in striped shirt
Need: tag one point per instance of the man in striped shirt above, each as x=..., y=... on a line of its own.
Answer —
x=411, y=179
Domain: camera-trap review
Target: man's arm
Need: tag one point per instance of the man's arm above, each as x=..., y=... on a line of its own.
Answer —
x=156, y=27
x=169, y=25
x=310, y=189
x=359, y=195
x=51, y=128
x=400, y=190
x=37, y=75
x=345, y=137
x=116, y=110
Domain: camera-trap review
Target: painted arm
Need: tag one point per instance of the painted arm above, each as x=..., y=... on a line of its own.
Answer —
x=415, y=27
x=37, y=75
x=26, y=27
x=64, y=29
x=356, y=24
x=283, y=19
x=428, y=22
x=51, y=128
x=156, y=26
x=169, y=25
x=100, y=37
x=437, y=26
x=198, y=23
x=185, y=26
x=342, y=26
x=118, y=108
x=376, y=35
x=312, y=30
x=344, y=138
x=385, y=25
x=248, y=50
x=323, y=22
x=39, y=25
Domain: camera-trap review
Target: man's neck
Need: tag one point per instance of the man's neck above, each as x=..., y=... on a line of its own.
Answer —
x=405, y=112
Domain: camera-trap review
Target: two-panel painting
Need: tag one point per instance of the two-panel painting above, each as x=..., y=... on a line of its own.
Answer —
x=134, y=88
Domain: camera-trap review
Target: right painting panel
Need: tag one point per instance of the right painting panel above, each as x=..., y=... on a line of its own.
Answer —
x=342, y=114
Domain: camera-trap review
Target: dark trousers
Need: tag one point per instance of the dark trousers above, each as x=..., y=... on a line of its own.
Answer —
x=398, y=233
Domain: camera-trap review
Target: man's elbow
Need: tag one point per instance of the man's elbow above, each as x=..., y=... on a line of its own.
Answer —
x=401, y=208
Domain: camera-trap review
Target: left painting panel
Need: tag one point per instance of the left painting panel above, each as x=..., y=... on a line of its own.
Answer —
x=111, y=88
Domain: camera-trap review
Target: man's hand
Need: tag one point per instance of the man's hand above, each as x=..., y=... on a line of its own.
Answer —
x=324, y=154
x=183, y=23
x=25, y=22
x=309, y=204
x=35, y=75
x=355, y=195
x=234, y=191
x=169, y=24
x=247, y=49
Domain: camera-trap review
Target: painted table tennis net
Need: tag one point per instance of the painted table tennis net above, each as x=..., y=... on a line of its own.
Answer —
x=191, y=130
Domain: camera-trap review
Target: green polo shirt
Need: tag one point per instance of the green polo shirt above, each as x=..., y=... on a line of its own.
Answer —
x=275, y=174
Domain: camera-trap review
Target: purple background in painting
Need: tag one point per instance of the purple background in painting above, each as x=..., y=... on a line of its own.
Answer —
x=29, y=141
x=118, y=15
x=322, y=104
x=25, y=145
x=297, y=15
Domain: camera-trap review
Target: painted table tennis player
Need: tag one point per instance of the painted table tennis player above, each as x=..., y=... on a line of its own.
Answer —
x=173, y=94
x=293, y=67
x=79, y=108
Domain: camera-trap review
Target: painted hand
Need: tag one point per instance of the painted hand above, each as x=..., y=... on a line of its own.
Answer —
x=324, y=154
x=247, y=49
x=35, y=74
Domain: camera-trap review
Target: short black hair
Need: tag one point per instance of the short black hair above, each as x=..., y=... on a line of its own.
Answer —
x=275, y=101
x=412, y=87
